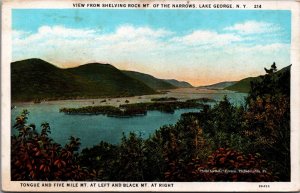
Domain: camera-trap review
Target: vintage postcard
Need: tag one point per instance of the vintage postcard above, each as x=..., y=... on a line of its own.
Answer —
x=150, y=95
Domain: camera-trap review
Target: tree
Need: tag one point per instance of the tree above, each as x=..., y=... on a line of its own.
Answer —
x=35, y=156
x=267, y=119
x=131, y=156
x=272, y=70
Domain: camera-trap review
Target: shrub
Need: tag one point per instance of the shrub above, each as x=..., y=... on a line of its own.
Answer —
x=34, y=156
x=223, y=165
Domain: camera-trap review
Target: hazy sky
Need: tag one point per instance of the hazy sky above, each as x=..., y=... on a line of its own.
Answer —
x=198, y=46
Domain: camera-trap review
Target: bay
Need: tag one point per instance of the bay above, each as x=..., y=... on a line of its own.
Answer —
x=91, y=129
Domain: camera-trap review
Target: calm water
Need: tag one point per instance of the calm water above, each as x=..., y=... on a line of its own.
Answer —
x=94, y=128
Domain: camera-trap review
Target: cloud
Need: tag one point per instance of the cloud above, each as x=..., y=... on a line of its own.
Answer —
x=254, y=27
x=128, y=38
x=61, y=44
x=62, y=32
x=134, y=32
x=123, y=33
x=207, y=38
x=160, y=52
x=50, y=37
x=18, y=34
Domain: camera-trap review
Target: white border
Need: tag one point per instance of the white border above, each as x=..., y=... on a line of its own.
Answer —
x=294, y=185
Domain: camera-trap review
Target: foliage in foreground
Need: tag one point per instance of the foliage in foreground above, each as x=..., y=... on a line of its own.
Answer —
x=220, y=143
x=36, y=157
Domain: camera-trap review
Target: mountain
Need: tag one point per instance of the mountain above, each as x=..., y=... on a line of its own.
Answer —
x=244, y=84
x=35, y=79
x=110, y=80
x=179, y=84
x=151, y=81
x=219, y=85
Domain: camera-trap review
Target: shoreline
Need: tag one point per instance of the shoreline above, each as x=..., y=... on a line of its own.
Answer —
x=182, y=94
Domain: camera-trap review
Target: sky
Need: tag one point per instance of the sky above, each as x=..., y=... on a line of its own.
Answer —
x=199, y=46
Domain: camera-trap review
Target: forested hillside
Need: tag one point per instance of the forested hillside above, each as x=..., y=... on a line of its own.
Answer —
x=36, y=80
x=249, y=143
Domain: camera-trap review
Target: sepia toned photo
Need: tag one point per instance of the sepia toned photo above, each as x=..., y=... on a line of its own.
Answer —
x=150, y=96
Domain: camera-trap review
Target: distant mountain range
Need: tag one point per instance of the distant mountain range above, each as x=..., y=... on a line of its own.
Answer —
x=244, y=85
x=220, y=85
x=36, y=79
x=179, y=84
x=152, y=82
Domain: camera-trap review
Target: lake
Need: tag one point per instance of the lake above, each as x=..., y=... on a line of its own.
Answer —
x=91, y=129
